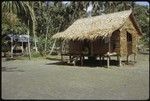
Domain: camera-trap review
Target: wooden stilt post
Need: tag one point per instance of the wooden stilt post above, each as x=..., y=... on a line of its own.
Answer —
x=108, y=61
x=100, y=58
x=22, y=47
x=69, y=58
x=103, y=58
x=75, y=60
x=108, y=56
x=120, y=61
x=81, y=60
x=61, y=53
x=117, y=57
x=134, y=58
x=127, y=58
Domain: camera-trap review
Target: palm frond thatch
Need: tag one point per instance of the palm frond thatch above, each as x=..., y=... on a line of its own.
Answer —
x=93, y=27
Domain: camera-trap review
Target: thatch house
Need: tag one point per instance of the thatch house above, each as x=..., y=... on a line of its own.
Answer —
x=114, y=34
x=18, y=43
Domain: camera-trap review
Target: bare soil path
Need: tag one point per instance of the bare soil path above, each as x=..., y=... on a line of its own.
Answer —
x=43, y=79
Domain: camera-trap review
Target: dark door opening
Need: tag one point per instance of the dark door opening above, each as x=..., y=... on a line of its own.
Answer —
x=129, y=43
x=86, y=47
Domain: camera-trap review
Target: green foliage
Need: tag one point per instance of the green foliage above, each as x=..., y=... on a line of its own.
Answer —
x=24, y=12
x=36, y=54
x=142, y=16
x=12, y=24
x=41, y=45
x=49, y=17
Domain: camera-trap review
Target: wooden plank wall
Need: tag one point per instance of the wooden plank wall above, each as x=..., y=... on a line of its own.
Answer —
x=99, y=47
x=115, y=42
x=75, y=47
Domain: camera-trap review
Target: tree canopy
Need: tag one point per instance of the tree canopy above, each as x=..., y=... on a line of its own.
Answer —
x=49, y=17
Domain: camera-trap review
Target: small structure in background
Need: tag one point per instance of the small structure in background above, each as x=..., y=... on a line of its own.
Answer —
x=17, y=43
x=114, y=34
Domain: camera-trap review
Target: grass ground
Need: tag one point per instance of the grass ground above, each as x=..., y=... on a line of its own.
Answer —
x=43, y=78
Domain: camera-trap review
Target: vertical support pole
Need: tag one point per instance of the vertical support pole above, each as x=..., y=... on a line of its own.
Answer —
x=134, y=58
x=91, y=48
x=69, y=58
x=61, y=53
x=127, y=59
x=100, y=58
x=108, y=62
x=12, y=47
x=120, y=61
x=75, y=60
x=117, y=57
x=22, y=47
x=108, y=56
x=103, y=58
x=81, y=60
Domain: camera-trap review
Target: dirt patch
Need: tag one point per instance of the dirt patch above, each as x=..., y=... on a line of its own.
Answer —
x=50, y=79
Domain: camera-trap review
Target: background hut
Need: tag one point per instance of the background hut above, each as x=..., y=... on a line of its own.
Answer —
x=18, y=43
x=105, y=35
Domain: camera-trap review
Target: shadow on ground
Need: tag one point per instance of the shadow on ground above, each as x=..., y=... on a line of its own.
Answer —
x=12, y=69
x=54, y=58
x=88, y=63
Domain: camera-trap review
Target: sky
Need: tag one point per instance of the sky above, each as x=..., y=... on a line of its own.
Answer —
x=145, y=3
x=142, y=3
x=137, y=2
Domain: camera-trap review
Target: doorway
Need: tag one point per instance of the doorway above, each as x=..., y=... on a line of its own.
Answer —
x=86, y=47
x=129, y=43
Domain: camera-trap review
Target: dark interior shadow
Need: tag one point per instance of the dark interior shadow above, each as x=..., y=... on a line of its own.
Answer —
x=129, y=62
x=49, y=58
x=145, y=53
x=12, y=69
x=10, y=59
x=88, y=63
x=60, y=63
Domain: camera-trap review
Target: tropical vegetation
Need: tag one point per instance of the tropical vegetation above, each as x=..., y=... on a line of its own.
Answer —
x=42, y=19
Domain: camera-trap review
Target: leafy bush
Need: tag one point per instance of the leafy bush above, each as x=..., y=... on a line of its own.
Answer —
x=36, y=54
x=41, y=45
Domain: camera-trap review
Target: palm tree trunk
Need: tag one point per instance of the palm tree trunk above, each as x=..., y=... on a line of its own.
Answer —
x=33, y=25
x=35, y=45
x=46, y=38
x=55, y=40
x=53, y=47
x=29, y=52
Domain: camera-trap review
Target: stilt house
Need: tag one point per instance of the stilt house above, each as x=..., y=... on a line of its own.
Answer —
x=114, y=34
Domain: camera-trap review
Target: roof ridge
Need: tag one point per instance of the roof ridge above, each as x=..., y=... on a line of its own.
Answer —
x=106, y=14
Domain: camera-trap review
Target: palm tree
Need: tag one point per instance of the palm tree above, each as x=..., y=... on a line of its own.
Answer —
x=24, y=11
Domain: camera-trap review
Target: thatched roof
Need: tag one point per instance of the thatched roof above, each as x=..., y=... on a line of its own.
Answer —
x=93, y=27
x=17, y=38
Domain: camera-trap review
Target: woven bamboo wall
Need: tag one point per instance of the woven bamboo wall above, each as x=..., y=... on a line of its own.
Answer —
x=119, y=37
x=128, y=27
x=123, y=42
